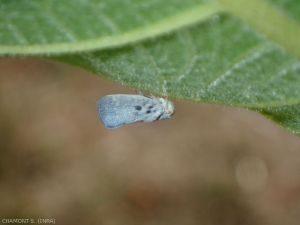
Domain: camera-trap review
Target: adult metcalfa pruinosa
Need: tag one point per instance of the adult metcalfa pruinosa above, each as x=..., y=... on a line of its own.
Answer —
x=117, y=110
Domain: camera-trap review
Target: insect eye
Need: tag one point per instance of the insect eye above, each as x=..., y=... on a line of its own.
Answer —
x=169, y=111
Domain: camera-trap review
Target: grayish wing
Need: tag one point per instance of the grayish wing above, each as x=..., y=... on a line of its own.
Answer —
x=117, y=110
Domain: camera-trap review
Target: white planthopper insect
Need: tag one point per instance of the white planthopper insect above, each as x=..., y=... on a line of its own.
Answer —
x=117, y=110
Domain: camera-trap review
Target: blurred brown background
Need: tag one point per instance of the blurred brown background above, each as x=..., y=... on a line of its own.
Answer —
x=206, y=165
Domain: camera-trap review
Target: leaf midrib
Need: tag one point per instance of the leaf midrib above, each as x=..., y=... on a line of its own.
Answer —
x=192, y=16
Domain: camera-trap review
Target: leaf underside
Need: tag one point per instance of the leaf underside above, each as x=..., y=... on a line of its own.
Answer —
x=237, y=53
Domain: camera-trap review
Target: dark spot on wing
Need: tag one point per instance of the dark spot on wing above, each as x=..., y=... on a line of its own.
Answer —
x=149, y=111
x=150, y=107
x=138, y=107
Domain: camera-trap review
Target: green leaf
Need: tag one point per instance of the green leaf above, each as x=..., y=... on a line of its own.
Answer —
x=287, y=116
x=54, y=26
x=230, y=52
